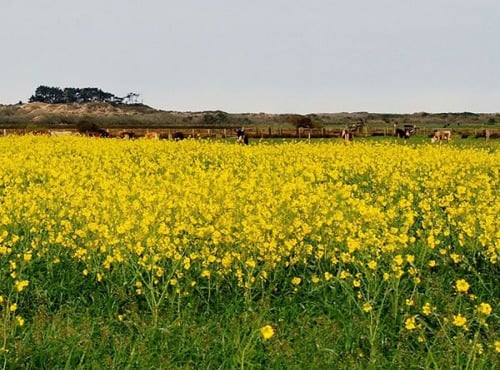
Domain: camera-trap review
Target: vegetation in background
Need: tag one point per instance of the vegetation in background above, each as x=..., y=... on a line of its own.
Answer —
x=115, y=115
x=56, y=95
x=69, y=95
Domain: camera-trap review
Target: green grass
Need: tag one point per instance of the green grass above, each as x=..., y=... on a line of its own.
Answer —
x=74, y=323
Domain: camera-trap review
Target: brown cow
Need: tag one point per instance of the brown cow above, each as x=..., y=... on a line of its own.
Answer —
x=126, y=134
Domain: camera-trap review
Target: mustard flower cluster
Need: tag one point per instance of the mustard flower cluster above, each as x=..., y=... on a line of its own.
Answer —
x=172, y=216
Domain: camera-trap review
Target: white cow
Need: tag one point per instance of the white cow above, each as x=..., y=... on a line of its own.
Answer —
x=440, y=135
x=347, y=135
x=63, y=133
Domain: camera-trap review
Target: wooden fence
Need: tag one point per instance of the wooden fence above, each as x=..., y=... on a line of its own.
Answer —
x=279, y=132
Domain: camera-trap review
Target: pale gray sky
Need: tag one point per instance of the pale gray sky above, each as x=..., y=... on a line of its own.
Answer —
x=276, y=56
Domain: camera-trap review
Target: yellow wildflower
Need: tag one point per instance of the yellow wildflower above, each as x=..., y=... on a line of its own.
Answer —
x=484, y=308
x=410, y=258
x=459, y=320
x=267, y=332
x=205, y=274
x=367, y=307
x=21, y=284
x=455, y=257
x=462, y=286
x=344, y=274
x=410, y=323
x=398, y=260
x=427, y=309
x=478, y=347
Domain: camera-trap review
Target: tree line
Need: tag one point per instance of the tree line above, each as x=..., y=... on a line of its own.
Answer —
x=56, y=95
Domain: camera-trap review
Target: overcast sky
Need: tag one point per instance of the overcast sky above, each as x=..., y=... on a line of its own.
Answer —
x=276, y=56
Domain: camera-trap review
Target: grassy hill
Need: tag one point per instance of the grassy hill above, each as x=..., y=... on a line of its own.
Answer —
x=106, y=115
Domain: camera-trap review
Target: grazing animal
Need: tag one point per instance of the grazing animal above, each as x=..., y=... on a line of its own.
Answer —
x=63, y=133
x=347, y=135
x=98, y=133
x=152, y=135
x=126, y=135
x=242, y=137
x=404, y=133
x=440, y=135
x=178, y=136
x=40, y=132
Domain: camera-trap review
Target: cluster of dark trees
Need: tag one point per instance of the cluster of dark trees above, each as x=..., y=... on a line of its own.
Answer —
x=55, y=95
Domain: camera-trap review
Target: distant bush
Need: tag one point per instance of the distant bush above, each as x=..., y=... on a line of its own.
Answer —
x=299, y=121
x=87, y=126
x=215, y=118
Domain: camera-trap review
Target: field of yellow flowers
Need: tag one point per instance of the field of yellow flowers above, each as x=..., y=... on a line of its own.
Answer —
x=118, y=253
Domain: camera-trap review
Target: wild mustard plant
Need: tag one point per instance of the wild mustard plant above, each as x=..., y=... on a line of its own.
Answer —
x=406, y=234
